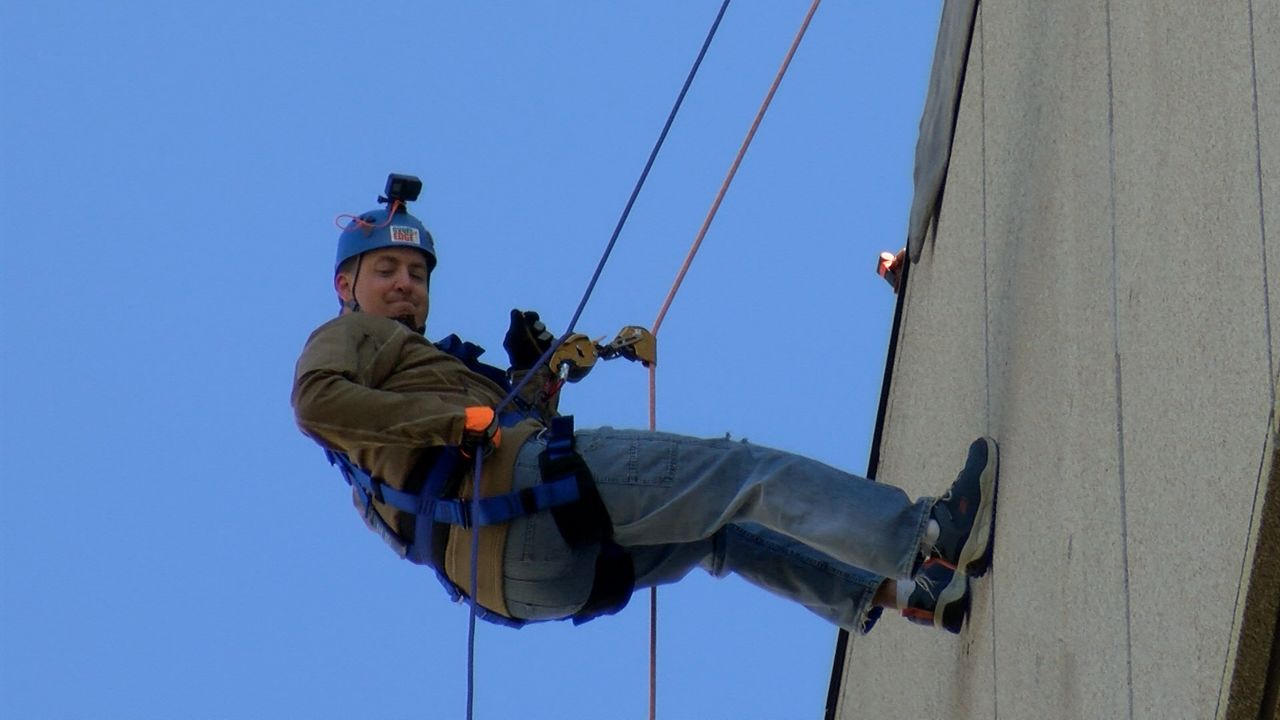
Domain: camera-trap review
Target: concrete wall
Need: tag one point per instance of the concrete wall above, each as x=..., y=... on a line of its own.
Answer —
x=1097, y=295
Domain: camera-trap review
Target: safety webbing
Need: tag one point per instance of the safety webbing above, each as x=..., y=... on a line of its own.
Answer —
x=671, y=294
x=546, y=355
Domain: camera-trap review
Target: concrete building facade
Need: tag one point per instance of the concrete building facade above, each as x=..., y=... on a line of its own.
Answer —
x=1095, y=289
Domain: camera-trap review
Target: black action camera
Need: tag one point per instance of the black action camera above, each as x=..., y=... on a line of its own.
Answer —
x=404, y=188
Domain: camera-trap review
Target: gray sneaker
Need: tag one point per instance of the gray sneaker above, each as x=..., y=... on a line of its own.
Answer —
x=966, y=514
x=941, y=597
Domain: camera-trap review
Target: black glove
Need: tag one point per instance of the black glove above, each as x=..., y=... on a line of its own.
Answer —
x=527, y=339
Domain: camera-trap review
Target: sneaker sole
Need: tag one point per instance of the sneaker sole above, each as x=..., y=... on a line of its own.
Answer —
x=975, y=556
x=953, y=605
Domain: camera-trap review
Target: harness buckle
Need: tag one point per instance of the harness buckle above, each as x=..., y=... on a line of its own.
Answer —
x=528, y=501
x=375, y=489
x=464, y=513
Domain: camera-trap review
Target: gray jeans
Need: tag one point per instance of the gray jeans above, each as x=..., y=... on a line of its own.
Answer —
x=794, y=526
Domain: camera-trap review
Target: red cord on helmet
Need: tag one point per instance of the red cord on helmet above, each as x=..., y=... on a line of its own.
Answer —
x=395, y=205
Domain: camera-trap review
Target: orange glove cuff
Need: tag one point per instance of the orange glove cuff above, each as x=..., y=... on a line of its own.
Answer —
x=479, y=418
x=480, y=422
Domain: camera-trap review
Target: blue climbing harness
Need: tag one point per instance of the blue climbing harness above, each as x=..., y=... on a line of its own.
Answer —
x=567, y=490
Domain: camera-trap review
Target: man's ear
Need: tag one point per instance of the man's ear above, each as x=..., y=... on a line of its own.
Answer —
x=342, y=286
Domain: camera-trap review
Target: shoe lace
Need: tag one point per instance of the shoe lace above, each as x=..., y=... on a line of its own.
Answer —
x=928, y=585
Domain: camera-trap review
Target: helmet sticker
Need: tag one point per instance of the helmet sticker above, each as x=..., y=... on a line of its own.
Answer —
x=402, y=234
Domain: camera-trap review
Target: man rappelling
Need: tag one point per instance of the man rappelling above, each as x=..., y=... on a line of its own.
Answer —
x=571, y=523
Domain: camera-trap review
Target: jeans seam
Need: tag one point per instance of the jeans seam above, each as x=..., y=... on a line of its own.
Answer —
x=922, y=525
x=815, y=563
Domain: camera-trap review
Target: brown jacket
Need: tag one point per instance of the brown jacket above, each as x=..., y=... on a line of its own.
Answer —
x=370, y=387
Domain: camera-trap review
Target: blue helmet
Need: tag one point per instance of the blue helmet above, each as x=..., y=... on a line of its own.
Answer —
x=374, y=230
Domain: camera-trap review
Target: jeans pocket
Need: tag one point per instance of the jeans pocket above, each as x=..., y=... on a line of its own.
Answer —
x=631, y=457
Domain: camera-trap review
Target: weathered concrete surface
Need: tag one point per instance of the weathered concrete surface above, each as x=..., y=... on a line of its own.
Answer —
x=1052, y=403
x=1193, y=335
x=1265, y=28
x=1096, y=296
x=947, y=392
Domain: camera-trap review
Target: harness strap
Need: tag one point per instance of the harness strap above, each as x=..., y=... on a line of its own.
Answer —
x=430, y=538
x=582, y=523
x=567, y=489
x=587, y=522
x=493, y=510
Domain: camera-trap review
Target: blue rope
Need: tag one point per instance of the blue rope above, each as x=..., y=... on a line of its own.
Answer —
x=617, y=230
x=475, y=582
x=546, y=355
x=626, y=211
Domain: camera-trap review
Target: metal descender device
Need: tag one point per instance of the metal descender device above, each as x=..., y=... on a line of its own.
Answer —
x=578, y=353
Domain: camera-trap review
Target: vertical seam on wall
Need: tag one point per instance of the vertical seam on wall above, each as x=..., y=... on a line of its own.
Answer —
x=1119, y=384
x=986, y=323
x=986, y=296
x=1262, y=206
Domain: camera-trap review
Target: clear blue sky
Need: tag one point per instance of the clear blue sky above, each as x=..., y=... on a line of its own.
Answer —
x=170, y=544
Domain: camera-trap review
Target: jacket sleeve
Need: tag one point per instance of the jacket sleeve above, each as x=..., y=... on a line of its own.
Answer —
x=338, y=398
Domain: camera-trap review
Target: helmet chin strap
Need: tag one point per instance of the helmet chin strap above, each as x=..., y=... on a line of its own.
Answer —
x=355, y=277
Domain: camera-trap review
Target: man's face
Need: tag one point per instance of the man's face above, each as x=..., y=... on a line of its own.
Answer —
x=392, y=283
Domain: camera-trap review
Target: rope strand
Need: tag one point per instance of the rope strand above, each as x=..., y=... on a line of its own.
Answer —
x=626, y=211
x=546, y=355
x=475, y=582
x=644, y=174
x=715, y=206
x=666, y=305
x=733, y=169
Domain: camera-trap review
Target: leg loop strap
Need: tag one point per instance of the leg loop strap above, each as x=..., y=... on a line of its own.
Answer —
x=586, y=522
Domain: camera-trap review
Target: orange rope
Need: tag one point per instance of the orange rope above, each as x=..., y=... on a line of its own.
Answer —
x=733, y=170
x=666, y=305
